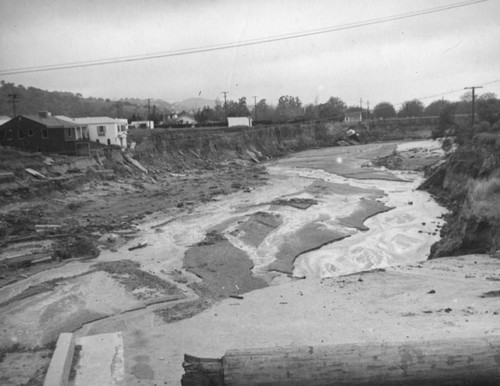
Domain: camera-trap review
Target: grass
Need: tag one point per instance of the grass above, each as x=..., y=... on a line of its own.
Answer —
x=484, y=197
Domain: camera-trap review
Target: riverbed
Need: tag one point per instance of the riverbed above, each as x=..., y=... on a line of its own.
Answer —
x=324, y=214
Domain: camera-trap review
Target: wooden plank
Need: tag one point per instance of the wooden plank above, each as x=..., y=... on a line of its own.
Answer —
x=464, y=361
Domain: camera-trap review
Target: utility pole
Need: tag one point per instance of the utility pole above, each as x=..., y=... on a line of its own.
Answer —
x=361, y=103
x=225, y=103
x=13, y=99
x=255, y=106
x=473, y=88
x=367, y=109
x=149, y=112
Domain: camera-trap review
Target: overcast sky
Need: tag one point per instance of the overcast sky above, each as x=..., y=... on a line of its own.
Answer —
x=423, y=57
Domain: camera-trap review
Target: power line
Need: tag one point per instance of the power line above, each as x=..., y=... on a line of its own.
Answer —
x=447, y=92
x=225, y=46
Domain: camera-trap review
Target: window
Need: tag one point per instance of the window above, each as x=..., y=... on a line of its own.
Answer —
x=101, y=130
x=20, y=134
x=45, y=134
x=70, y=133
x=30, y=133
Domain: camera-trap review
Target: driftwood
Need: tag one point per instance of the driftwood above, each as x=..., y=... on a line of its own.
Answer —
x=465, y=361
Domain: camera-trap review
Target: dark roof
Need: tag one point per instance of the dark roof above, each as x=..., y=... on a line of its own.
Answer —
x=50, y=122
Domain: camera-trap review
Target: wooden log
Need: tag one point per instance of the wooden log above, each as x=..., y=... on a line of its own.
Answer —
x=464, y=361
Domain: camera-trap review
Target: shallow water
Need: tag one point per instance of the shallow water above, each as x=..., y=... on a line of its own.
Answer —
x=400, y=236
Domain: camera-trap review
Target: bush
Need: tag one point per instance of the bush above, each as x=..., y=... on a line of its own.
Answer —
x=484, y=198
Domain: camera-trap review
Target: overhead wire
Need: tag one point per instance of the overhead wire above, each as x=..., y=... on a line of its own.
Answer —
x=225, y=46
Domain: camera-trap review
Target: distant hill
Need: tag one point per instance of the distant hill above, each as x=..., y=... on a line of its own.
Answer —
x=193, y=104
x=31, y=100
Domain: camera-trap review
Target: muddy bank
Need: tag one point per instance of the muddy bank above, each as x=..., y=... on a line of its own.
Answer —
x=468, y=183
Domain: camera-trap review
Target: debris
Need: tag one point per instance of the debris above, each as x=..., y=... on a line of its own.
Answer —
x=236, y=296
x=136, y=163
x=491, y=294
x=34, y=173
x=46, y=227
x=431, y=292
x=7, y=177
x=140, y=245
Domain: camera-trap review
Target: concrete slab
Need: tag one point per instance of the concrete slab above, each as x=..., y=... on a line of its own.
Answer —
x=101, y=361
x=58, y=372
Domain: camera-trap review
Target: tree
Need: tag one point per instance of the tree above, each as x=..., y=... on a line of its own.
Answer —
x=384, y=110
x=435, y=107
x=334, y=108
x=264, y=112
x=446, y=124
x=413, y=108
x=237, y=109
x=311, y=112
x=488, y=108
x=289, y=107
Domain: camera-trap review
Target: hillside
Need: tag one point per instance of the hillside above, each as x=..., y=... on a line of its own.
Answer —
x=193, y=104
x=32, y=100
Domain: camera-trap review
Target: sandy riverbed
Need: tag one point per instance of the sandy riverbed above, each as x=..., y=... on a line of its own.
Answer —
x=276, y=233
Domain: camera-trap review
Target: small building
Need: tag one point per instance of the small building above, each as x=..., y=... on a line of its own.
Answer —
x=353, y=117
x=105, y=130
x=42, y=133
x=186, y=119
x=141, y=125
x=239, y=121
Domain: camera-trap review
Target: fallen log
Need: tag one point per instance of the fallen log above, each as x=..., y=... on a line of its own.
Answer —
x=463, y=361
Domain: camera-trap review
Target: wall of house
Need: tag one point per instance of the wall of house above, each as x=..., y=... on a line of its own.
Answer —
x=111, y=136
x=28, y=135
x=239, y=121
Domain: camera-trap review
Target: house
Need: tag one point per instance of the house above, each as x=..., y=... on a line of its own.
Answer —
x=141, y=125
x=42, y=133
x=353, y=117
x=186, y=119
x=104, y=130
x=239, y=121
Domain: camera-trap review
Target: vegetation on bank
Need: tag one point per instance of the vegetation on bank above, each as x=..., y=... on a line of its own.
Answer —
x=468, y=183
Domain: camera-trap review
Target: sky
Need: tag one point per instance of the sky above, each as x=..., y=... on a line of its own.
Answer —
x=427, y=57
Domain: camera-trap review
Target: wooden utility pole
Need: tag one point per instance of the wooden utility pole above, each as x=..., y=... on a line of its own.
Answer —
x=458, y=361
x=13, y=98
x=255, y=107
x=225, y=103
x=149, y=112
x=473, y=88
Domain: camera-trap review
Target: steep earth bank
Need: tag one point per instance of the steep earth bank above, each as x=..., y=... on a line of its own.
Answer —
x=468, y=183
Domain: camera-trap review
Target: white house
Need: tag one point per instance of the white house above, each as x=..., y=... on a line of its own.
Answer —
x=105, y=130
x=186, y=119
x=239, y=121
x=354, y=117
x=142, y=125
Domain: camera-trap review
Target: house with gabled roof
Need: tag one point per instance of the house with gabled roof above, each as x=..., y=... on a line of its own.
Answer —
x=42, y=133
x=104, y=130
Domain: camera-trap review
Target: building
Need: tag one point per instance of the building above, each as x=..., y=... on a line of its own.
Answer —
x=104, y=130
x=353, y=117
x=239, y=121
x=43, y=133
x=186, y=119
x=141, y=125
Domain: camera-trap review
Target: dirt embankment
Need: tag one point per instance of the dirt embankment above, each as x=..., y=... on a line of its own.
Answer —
x=468, y=183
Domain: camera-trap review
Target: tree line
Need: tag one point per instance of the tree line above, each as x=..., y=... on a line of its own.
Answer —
x=288, y=109
x=291, y=108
